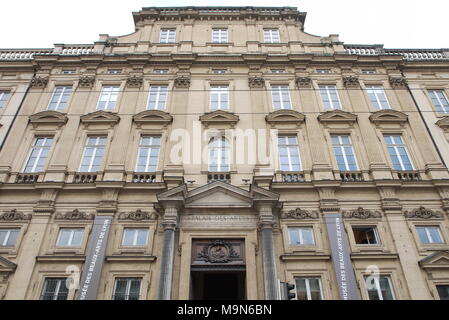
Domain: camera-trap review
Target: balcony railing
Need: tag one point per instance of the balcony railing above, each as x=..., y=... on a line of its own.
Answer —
x=408, y=54
x=293, y=177
x=219, y=176
x=27, y=178
x=85, y=178
x=144, y=178
x=351, y=176
x=407, y=175
x=27, y=54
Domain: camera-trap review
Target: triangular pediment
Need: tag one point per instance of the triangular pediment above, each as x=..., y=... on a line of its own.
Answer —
x=337, y=116
x=285, y=117
x=437, y=260
x=153, y=117
x=443, y=123
x=219, y=194
x=178, y=193
x=219, y=117
x=48, y=117
x=100, y=117
x=6, y=265
x=388, y=116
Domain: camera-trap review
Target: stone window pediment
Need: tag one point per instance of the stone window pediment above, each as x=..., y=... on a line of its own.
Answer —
x=219, y=117
x=388, y=117
x=7, y=266
x=443, y=123
x=337, y=117
x=100, y=117
x=285, y=117
x=157, y=117
x=48, y=117
x=437, y=260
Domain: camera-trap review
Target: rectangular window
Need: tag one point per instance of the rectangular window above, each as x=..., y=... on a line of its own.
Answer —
x=344, y=153
x=127, y=289
x=108, y=98
x=148, y=155
x=60, y=97
x=323, y=70
x=157, y=98
x=329, y=96
x=167, y=36
x=133, y=237
x=39, y=154
x=277, y=70
x=429, y=234
x=309, y=288
x=8, y=237
x=368, y=71
x=70, y=237
x=271, y=36
x=398, y=153
x=68, y=71
x=219, y=154
x=160, y=71
x=376, y=95
x=301, y=236
x=280, y=96
x=439, y=100
x=365, y=235
x=93, y=154
x=55, y=289
x=443, y=292
x=4, y=95
x=114, y=71
x=219, y=98
x=379, y=288
x=219, y=71
x=289, y=155
x=219, y=35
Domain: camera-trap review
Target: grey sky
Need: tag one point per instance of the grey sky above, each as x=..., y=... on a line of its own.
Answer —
x=394, y=23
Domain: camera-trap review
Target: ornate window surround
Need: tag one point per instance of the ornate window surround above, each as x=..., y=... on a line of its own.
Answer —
x=14, y=219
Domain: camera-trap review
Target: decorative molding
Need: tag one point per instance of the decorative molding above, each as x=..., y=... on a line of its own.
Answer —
x=48, y=117
x=436, y=261
x=219, y=117
x=100, y=117
x=398, y=81
x=182, y=82
x=138, y=215
x=134, y=82
x=152, y=117
x=337, y=116
x=39, y=82
x=256, y=82
x=86, y=81
x=300, y=214
x=388, y=116
x=443, y=123
x=423, y=213
x=285, y=117
x=218, y=251
x=361, y=213
x=351, y=82
x=14, y=215
x=74, y=215
x=303, y=82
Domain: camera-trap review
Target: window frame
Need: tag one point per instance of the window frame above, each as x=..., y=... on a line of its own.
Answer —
x=5, y=95
x=281, y=89
x=33, y=146
x=72, y=234
x=128, y=287
x=307, y=285
x=342, y=147
x=222, y=148
x=135, y=237
x=378, y=288
x=396, y=146
x=300, y=235
x=221, y=38
x=376, y=90
x=428, y=235
x=158, y=92
x=375, y=231
x=150, y=148
x=86, y=145
x=441, y=106
x=58, y=107
x=327, y=88
x=61, y=280
x=270, y=37
x=220, y=90
x=8, y=230
x=288, y=148
x=109, y=94
x=169, y=35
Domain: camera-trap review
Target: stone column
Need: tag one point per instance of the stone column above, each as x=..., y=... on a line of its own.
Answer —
x=166, y=267
x=266, y=222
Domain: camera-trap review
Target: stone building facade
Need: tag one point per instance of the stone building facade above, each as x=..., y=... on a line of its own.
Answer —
x=93, y=188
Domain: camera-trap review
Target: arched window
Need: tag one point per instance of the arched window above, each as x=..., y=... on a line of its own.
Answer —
x=218, y=154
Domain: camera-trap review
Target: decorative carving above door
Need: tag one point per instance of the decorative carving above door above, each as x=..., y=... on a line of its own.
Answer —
x=218, y=252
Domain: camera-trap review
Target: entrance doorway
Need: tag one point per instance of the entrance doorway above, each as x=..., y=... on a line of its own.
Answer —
x=218, y=285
